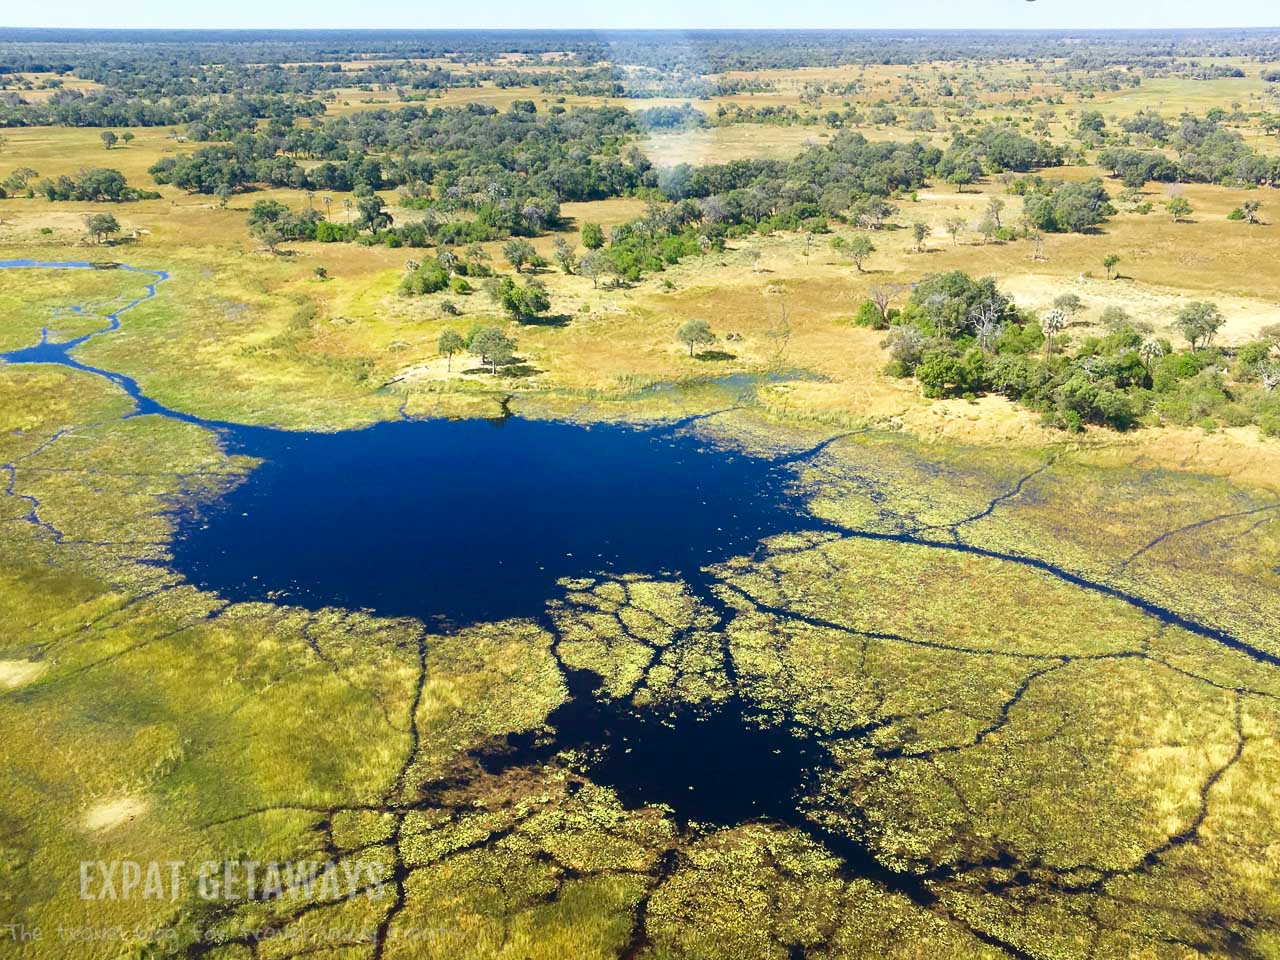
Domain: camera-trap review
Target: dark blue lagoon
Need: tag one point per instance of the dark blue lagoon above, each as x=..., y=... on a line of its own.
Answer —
x=455, y=520
x=474, y=519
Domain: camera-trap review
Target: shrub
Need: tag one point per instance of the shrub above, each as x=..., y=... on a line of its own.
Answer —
x=868, y=315
x=429, y=277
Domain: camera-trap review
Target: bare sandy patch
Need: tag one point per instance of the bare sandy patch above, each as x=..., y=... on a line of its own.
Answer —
x=18, y=673
x=115, y=812
x=1245, y=316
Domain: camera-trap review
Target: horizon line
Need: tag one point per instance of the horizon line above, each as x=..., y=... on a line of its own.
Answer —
x=640, y=29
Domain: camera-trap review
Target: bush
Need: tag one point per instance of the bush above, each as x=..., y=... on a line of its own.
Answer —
x=1067, y=420
x=943, y=374
x=1170, y=370
x=429, y=277
x=868, y=315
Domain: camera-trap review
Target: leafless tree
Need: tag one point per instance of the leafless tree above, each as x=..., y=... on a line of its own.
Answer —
x=883, y=295
x=987, y=325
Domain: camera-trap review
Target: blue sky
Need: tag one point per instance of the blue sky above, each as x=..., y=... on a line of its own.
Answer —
x=673, y=14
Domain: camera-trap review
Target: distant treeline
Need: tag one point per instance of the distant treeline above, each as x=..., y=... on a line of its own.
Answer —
x=210, y=118
x=156, y=65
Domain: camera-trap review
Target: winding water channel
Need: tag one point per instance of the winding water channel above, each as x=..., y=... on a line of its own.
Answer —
x=477, y=519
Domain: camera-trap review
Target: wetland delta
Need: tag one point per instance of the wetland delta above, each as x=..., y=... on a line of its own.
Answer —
x=694, y=685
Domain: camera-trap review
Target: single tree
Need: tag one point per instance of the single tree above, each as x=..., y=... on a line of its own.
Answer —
x=127, y=137
x=518, y=253
x=493, y=347
x=1250, y=209
x=694, y=333
x=1069, y=304
x=987, y=324
x=1179, y=208
x=1052, y=323
x=534, y=215
x=919, y=231
x=592, y=236
x=1111, y=261
x=955, y=227
x=564, y=254
x=858, y=248
x=1115, y=318
x=109, y=139
x=1199, y=322
x=1150, y=352
x=1269, y=373
x=373, y=215
x=101, y=225
x=450, y=342
x=994, y=206
x=523, y=303
x=593, y=264
x=477, y=259
x=270, y=233
x=883, y=295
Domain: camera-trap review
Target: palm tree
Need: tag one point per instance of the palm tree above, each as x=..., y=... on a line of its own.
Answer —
x=1150, y=352
x=346, y=203
x=1052, y=323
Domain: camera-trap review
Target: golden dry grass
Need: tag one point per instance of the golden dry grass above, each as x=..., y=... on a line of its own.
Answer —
x=615, y=340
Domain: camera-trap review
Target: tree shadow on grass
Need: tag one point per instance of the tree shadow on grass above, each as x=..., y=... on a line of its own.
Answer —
x=513, y=370
x=518, y=369
x=712, y=355
x=551, y=320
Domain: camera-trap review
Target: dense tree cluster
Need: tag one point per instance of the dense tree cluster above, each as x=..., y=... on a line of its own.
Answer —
x=960, y=336
x=822, y=182
x=1058, y=206
x=101, y=185
x=1207, y=153
x=996, y=148
x=217, y=117
x=476, y=173
x=1136, y=167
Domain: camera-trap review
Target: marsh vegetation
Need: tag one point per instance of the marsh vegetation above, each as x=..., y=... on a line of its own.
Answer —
x=449, y=488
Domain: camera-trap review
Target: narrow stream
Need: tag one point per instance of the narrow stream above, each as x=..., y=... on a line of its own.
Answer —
x=476, y=520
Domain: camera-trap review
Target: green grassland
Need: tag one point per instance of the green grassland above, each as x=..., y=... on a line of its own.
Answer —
x=1055, y=767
